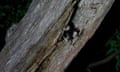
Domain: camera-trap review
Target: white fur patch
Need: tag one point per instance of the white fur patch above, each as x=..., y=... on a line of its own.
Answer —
x=74, y=34
x=67, y=28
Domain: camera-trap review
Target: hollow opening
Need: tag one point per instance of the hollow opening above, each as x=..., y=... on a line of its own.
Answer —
x=95, y=49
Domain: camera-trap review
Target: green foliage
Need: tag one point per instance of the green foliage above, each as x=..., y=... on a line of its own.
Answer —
x=118, y=63
x=88, y=70
x=114, y=45
x=11, y=11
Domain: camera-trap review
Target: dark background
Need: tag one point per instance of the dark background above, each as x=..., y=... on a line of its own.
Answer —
x=11, y=11
x=95, y=48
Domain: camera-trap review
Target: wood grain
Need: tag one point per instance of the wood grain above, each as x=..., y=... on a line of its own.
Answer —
x=33, y=45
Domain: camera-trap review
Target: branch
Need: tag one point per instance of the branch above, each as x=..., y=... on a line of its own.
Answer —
x=40, y=41
x=107, y=59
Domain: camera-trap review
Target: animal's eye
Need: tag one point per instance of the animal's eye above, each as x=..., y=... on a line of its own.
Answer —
x=70, y=32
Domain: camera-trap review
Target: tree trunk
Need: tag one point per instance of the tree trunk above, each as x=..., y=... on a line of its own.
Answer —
x=40, y=41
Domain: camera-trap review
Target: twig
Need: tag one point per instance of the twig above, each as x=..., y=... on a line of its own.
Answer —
x=107, y=59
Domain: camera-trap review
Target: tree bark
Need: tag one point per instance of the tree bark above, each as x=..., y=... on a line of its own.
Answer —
x=35, y=44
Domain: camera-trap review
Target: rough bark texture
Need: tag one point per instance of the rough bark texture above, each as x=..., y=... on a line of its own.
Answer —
x=34, y=45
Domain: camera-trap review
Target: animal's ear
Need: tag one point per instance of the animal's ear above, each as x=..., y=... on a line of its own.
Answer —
x=67, y=28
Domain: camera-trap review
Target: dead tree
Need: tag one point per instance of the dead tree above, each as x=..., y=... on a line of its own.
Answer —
x=50, y=34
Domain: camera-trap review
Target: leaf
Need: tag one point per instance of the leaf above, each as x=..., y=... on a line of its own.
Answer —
x=110, y=51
